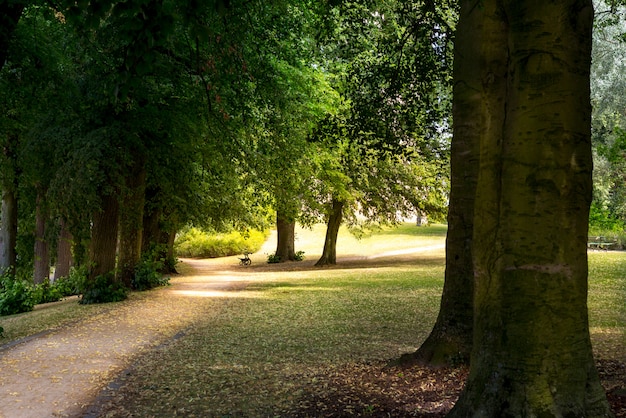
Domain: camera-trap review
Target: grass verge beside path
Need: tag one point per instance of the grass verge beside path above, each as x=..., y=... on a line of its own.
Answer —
x=304, y=342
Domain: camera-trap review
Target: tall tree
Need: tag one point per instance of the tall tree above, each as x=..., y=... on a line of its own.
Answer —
x=531, y=351
x=450, y=340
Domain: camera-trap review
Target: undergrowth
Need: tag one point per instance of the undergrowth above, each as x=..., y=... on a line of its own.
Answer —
x=195, y=243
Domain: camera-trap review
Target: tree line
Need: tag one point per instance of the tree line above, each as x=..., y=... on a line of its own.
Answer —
x=125, y=121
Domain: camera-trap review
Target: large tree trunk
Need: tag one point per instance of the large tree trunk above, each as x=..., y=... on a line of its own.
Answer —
x=531, y=350
x=64, y=252
x=103, y=244
x=131, y=223
x=450, y=341
x=286, y=230
x=8, y=232
x=329, y=255
x=42, y=252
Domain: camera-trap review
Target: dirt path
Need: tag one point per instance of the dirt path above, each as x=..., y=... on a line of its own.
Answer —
x=60, y=373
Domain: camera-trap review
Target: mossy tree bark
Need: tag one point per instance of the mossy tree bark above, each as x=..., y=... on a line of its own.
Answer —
x=531, y=351
x=131, y=222
x=103, y=244
x=286, y=242
x=8, y=231
x=335, y=217
x=42, y=249
x=450, y=341
x=64, y=252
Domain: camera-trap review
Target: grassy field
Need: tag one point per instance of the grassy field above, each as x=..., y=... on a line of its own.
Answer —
x=294, y=340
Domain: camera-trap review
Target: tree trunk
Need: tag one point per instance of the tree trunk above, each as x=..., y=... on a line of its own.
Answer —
x=531, y=351
x=42, y=253
x=131, y=223
x=151, y=236
x=64, y=252
x=450, y=341
x=285, y=248
x=103, y=245
x=329, y=255
x=8, y=232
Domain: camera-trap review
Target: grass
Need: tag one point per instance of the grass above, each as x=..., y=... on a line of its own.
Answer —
x=293, y=334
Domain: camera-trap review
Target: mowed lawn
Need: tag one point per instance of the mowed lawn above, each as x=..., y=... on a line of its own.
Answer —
x=296, y=339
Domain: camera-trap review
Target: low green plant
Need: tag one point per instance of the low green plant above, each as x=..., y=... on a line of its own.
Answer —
x=148, y=275
x=46, y=292
x=72, y=285
x=103, y=289
x=273, y=259
x=196, y=243
x=299, y=255
x=16, y=295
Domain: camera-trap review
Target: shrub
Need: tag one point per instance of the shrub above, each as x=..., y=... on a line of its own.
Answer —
x=273, y=259
x=45, y=292
x=16, y=295
x=199, y=244
x=72, y=285
x=299, y=255
x=148, y=275
x=103, y=289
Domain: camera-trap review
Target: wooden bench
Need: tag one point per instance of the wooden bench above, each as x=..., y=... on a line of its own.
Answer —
x=601, y=243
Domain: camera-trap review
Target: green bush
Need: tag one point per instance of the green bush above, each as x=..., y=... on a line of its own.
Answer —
x=196, y=243
x=273, y=259
x=148, y=275
x=299, y=255
x=103, y=289
x=16, y=295
x=46, y=292
x=72, y=285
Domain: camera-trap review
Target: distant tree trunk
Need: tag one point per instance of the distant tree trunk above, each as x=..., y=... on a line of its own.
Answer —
x=329, y=255
x=64, y=252
x=42, y=252
x=450, y=341
x=531, y=351
x=131, y=223
x=8, y=231
x=103, y=244
x=285, y=227
x=151, y=236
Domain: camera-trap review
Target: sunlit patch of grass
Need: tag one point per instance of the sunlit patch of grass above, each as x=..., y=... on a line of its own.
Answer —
x=249, y=354
x=607, y=303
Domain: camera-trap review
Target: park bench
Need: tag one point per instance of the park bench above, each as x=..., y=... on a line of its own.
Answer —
x=601, y=243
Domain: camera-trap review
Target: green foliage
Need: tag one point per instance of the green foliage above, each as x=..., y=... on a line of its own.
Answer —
x=71, y=285
x=45, y=292
x=299, y=256
x=16, y=295
x=273, y=259
x=199, y=244
x=148, y=273
x=103, y=289
x=601, y=220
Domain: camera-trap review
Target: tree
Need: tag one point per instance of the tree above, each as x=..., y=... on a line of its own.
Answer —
x=450, y=341
x=392, y=64
x=531, y=351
